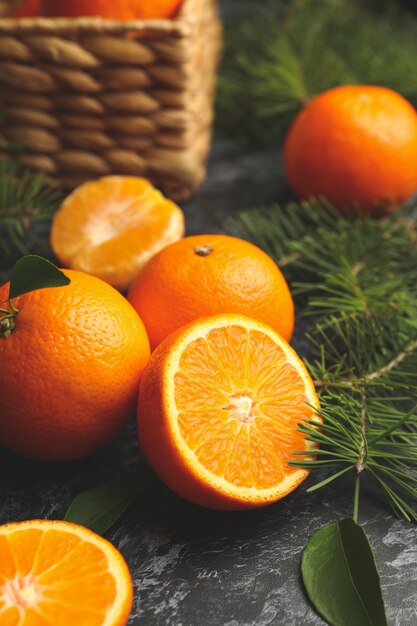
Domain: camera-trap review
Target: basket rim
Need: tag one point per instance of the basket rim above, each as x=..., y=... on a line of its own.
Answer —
x=179, y=26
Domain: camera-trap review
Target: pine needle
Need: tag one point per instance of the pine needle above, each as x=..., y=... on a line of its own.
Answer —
x=355, y=280
x=25, y=200
x=305, y=48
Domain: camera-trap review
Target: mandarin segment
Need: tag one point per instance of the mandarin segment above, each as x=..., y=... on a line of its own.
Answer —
x=54, y=548
x=24, y=548
x=8, y=568
x=229, y=347
x=238, y=470
x=34, y=618
x=219, y=407
x=266, y=360
x=267, y=460
x=111, y=227
x=204, y=361
x=196, y=431
x=79, y=593
x=81, y=561
x=286, y=441
x=11, y=617
x=215, y=453
x=64, y=615
x=103, y=582
x=193, y=394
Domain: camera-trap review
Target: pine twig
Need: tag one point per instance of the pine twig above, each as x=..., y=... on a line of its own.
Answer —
x=355, y=279
x=305, y=50
x=25, y=200
x=361, y=462
x=368, y=378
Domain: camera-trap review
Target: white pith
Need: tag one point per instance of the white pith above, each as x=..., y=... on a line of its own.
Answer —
x=241, y=409
x=22, y=592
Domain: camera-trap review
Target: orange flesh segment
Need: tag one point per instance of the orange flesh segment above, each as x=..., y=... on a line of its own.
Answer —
x=10, y=617
x=239, y=402
x=100, y=210
x=53, y=578
x=113, y=226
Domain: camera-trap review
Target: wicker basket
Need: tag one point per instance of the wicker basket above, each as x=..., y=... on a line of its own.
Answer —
x=89, y=97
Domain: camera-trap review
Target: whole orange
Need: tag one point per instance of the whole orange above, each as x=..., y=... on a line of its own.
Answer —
x=120, y=9
x=207, y=275
x=354, y=144
x=70, y=369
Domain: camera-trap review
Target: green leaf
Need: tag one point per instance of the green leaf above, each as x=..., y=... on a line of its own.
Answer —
x=341, y=577
x=33, y=272
x=99, y=509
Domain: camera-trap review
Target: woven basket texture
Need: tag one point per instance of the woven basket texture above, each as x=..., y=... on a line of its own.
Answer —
x=87, y=97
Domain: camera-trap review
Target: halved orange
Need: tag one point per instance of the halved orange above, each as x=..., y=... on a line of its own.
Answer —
x=61, y=574
x=112, y=226
x=219, y=405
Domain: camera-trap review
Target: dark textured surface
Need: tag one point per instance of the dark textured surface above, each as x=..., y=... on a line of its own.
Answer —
x=193, y=567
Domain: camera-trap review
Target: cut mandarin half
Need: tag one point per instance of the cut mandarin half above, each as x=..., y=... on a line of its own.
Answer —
x=219, y=405
x=61, y=574
x=111, y=227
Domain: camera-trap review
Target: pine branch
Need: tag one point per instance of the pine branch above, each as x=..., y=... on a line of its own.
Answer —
x=305, y=48
x=25, y=200
x=355, y=280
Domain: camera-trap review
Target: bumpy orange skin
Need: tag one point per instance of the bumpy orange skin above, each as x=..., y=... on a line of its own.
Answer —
x=70, y=370
x=354, y=144
x=178, y=286
x=120, y=9
x=31, y=8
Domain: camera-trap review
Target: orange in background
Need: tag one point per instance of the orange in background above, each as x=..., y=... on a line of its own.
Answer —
x=208, y=275
x=219, y=407
x=72, y=369
x=30, y=8
x=354, y=144
x=113, y=9
x=59, y=573
x=148, y=9
x=112, y=226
